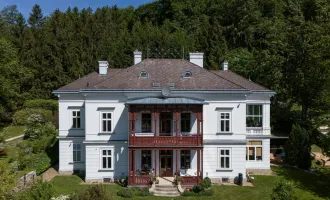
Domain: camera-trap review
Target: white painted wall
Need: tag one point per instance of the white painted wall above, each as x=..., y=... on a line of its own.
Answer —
x=94, y=171
x=211, y=161
x=66, y=164
x=265, y=162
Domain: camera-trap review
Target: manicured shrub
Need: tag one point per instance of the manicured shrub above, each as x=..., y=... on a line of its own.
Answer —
x=20, y=117
x=283, y=191
x=205, y=183
x=189, y=193
x=197, y=189
x=143, y=192
x=125, y=192
x=51, y=105
x=95, y=192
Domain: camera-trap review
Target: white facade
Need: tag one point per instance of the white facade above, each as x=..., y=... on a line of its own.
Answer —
x=94, y=140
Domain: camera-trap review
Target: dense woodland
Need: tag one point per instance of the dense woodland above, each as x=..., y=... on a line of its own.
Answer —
x=281, y=44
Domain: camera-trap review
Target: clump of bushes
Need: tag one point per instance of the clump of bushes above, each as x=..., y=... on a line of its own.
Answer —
x=40, y=190
x=20, y=117
x=94, y=192
x=51, y=105
x=284, y=191
x=131, y=192
x=203, y=189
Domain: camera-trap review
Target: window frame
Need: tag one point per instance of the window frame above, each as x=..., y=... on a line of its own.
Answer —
x=111, y=119
x=187, y=74
x=107, y=156
x=254, y=150
x=144, y=72
x=187, y=152
x=225, y=156
x=149, y=158
x=74, y=152
x=185, y=119
x=76, y=117
x=220, y=119
x=143, y=120
x=260, y=115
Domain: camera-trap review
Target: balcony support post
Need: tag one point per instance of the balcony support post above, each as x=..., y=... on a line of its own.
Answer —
x=133, y=166
x=177, y=163
x=155, y=163
x=177, y=114
x=155, y=126
x=130, y=180
x=198, y=165
x=202, y=164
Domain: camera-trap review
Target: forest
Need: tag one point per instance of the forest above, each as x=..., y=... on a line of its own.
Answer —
x=281, y=44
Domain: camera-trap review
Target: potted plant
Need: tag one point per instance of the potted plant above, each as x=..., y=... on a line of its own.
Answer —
x=177, y=180
x=154, y=179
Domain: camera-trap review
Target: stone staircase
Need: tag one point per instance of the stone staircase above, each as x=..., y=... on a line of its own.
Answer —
x=165, y=188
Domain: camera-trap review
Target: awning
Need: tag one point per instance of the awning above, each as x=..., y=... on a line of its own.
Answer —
x=170, y=100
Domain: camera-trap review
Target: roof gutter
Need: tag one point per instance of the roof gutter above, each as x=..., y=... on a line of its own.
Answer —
x=155, y=90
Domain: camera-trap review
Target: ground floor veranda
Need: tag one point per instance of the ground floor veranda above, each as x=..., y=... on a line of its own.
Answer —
x=145, y=163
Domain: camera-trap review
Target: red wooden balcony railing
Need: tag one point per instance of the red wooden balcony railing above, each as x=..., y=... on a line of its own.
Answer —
x=189, y=180
x=140, y=180
x=165, y=141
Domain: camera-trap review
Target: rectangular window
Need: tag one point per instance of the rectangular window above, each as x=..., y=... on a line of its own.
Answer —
x=107, y=156
x=253, y=115
x=75, y=119
x=185, y=122
x=76, y=152
x=225, y=122
x=254, y=150
x=146, y=123
x=146, y=159
x=224, y=158
x=185, y=159
x=106, y=122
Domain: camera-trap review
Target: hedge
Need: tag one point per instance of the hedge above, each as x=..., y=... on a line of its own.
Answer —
x=20, y=117
x=42, y=103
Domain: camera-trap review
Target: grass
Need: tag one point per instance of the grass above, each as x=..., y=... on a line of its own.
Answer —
x=12, y=131
x=308, y=186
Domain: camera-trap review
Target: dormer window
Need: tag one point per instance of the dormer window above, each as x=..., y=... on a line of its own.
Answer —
x=187, y=74
x=144, y=74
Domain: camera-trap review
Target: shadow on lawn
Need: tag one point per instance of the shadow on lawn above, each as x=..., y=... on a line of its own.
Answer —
x=319, y=186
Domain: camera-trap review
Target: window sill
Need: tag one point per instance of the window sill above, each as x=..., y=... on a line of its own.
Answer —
x=254, y=161
x=77, y=129
x=76, y=162
x=105, y=170
x=224, y=133
x=106, y=133
x=252, y=128
x=224, y=170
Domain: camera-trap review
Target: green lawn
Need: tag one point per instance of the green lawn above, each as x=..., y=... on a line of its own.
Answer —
x=308, y=186
x=12, y=131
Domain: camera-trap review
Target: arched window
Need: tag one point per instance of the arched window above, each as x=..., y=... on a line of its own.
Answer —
x=187, y=74
x=144, y=74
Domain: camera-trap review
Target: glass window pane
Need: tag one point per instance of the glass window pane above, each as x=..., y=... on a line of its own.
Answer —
x=259, y=153
x=227, y=152
x=74, y=156
x=222, y=162
x=109, y=125
x=227, y=115
x=222, y=125
x=104, y=125
x=78, y=113
x=222, y=152
x=104, y=152
x=250, y=110
x=251, y=153
x=109, y=115
x=104, y=162
x=78, y=146
x=227, y=125
x=74, y=113
x=109, y=162
x=104, y=115
x=109, y=152
x=227, y=162
x=256, y=110
x=78, y=122
x=74, y=123
x=78, y=155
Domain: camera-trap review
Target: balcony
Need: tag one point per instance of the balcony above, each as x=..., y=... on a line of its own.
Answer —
x=257, y=131
x=149, y=141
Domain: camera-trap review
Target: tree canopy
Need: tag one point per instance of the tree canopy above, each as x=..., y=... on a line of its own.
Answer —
x=281, y=44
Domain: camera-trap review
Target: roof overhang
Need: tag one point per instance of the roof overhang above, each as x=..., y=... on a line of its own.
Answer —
x=165, y=101
x=265, y=137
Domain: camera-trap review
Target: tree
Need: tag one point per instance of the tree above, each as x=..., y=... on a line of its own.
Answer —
x=36, y=19
x=297, y=149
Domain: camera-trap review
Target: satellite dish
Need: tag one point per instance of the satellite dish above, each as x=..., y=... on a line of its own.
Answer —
x=166, y=91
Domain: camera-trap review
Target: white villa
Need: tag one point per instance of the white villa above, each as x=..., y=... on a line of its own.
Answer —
x=163, y=117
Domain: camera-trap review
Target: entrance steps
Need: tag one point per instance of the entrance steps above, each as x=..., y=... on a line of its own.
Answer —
x=165, y=188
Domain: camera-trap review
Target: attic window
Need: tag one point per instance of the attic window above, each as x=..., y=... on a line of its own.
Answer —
x=144, y=74
x=187, y=74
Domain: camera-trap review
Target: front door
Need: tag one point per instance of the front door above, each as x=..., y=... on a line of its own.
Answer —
x=165, y=124
x=166, y=163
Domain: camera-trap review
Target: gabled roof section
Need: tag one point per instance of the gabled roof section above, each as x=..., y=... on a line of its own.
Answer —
x=163, y=72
